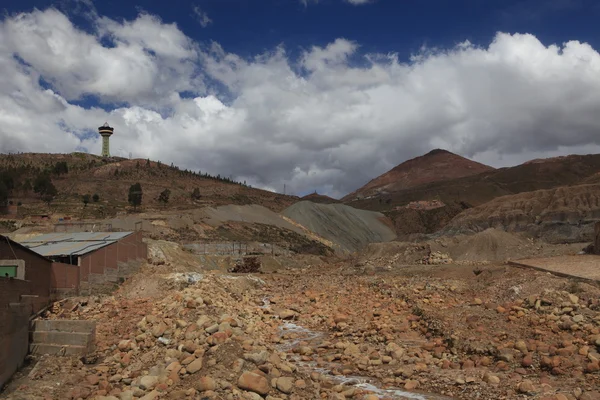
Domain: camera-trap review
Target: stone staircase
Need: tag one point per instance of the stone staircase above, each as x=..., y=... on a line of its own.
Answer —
x=62, y=337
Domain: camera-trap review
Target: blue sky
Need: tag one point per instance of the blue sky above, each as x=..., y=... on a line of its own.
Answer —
x=248, y=27
x=315, y=94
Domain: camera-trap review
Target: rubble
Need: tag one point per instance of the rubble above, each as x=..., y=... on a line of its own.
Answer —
x=316, y=332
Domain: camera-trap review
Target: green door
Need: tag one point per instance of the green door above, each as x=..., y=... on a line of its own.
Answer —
x=8, y=270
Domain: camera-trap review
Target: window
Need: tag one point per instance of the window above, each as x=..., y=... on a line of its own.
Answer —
x=8, y=271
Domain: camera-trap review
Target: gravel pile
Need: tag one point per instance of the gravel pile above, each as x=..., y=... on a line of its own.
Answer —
x=349, y=228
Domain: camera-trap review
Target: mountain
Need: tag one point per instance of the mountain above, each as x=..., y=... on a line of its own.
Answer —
x=435, y=166
x=458, y=195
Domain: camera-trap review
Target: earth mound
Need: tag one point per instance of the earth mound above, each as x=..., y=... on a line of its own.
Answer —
x=349, y=228
x=491, y=245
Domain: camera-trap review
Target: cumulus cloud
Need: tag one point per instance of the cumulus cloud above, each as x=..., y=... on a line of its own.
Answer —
x=314, y=122
x=202, y=17
x=359, y=2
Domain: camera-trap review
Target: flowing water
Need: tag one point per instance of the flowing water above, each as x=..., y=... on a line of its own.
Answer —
x=294, y=334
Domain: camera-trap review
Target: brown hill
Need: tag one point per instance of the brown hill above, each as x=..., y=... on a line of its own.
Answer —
x=111, y=179
x=320, y=198
x=471, y=191
x=564, y=214
x=435, y=166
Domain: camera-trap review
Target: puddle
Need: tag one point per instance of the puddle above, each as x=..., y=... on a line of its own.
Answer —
x=301, y=334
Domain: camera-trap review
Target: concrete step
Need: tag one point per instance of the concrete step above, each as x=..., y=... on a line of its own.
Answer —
x=56, y=349
x=58, y=325
x=61, y=338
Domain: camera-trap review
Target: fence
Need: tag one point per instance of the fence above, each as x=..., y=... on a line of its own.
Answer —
x=235, y=248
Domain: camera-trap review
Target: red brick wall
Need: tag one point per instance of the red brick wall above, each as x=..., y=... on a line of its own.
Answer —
x=37, y=269
x=84, y=268
x=65, y=276
x=11, y=291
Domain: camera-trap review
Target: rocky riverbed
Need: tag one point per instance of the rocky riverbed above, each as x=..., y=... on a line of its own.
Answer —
x=426, y=332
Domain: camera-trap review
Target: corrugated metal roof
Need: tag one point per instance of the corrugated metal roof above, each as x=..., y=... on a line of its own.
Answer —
x=76, y=243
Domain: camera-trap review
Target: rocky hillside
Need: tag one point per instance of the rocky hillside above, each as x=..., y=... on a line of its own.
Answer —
x=435, y=166
x=466, y=192
x=77, y=174
x=564, y=214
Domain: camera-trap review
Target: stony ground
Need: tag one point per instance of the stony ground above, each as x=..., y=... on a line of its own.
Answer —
x=333, y=331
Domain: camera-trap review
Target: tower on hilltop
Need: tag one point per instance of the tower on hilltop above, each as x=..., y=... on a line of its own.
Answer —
x=105, y=131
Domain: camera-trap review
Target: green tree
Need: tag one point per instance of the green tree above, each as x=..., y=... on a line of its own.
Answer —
x=43, y=186
x=3, y=194
x=95, y=197
x=196, y=194
x=86, y=199
x=164, y=196
x=135, y=195
x=60, y=168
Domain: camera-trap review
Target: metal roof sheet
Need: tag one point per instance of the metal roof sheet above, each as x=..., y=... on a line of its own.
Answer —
x=76, y=243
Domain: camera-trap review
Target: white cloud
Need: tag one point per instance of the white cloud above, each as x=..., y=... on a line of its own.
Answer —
x=202, y=17
x=316, y=122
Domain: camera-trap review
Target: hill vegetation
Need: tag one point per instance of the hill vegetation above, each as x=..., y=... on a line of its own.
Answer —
x=65, y=183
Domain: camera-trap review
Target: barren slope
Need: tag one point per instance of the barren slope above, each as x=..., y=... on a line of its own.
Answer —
x=350, y=228
x=437, y=165
x=564, y=214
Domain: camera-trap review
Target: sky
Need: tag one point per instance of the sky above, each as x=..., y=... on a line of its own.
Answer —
x=316, y=95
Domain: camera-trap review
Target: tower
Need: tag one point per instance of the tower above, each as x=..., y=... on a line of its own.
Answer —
x=105, y=131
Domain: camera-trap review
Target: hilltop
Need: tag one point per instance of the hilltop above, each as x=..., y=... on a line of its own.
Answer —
x=77, y=174
x=435, y=166
x=320, y=198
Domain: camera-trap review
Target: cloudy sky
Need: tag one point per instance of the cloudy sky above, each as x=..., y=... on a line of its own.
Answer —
x=315, y=94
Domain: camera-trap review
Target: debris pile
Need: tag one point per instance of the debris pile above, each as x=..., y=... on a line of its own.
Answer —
x=247, y=265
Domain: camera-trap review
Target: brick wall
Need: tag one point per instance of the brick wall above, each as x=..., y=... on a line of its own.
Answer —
x=14, y=324
x=103, y=265
x=37, y=269
x=65, y=279
x=14, y=339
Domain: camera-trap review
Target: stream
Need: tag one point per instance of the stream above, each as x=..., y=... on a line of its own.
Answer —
x=294, y=334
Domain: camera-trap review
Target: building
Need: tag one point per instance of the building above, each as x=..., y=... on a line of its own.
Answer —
x=106, y=132
x=25, y=288
x=87, y=259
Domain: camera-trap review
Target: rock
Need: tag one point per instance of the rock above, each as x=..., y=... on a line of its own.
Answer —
x=573, y=299
x=159, y=330
x=194, y=366
x=288, y=314
x=254, y=382
x=411, y=384
x=526, y=387
x=285, y=384
x=151, y=396
x=491, y=379
x=206, y=383
x=126, y=395
x=578, y=318
x=257, y=358
x=148, y=382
